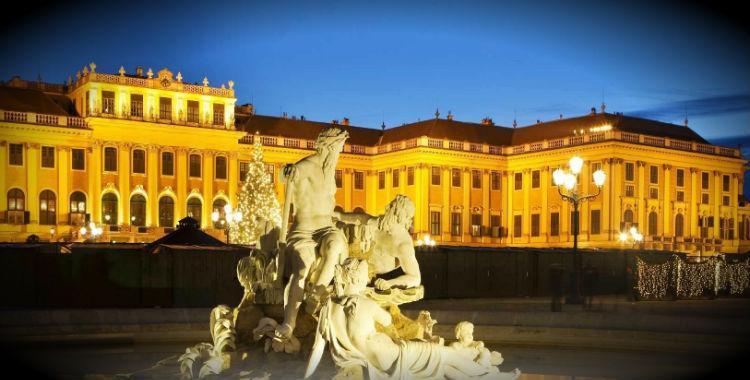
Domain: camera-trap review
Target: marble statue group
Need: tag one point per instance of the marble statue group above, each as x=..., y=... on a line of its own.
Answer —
x=332, y=282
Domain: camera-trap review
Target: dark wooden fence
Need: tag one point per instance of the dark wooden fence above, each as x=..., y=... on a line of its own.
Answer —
x=39, y=276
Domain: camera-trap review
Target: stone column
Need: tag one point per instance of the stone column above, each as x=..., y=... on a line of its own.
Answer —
x=486, y=205
x=234, y=175
x=544, y=185
x=402, y=180
x=388, y=185
x=445, y=215
x=207, y=177
x=371, y=191
x=63, y=186
x=181, y=172
x=347, y=185
x=505, y=205
x=466, y=202
x=667, y=204
x=123, y=212
x=94, y=203
x=733, y=202
x=152, y=183
x=616, y=188
x=716, y=197
x=642, y=198
x=511, y=188
x=694, y=203
x=422, y=207
x=3, y=174
x=32, y=184
x=526, y=219
x=606, y=210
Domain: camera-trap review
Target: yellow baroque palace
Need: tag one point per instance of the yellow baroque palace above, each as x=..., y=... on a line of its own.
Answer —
x=136, y=152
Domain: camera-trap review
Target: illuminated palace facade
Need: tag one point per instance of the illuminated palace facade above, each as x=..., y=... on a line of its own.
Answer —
x=135, y=152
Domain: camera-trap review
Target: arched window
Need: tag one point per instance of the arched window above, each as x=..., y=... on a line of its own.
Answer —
x=627, y=217
x=77, y=209
x=16, y=206
x=138, y=210
x=47, y=208
x=218, y=206
x=16, y=200
x=338, y=209
x=652, y=223
x=166, y=212
x=679, y=225
x=194, y=208
x=359, y=210
x=109, y=209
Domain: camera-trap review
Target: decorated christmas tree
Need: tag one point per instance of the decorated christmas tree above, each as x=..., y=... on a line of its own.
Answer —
x=256, y=202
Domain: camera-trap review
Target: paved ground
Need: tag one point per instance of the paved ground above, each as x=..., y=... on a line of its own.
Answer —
x=614, y=339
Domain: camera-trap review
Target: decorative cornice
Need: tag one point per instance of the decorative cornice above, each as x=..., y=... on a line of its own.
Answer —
x=32, y=145
x=667, y=167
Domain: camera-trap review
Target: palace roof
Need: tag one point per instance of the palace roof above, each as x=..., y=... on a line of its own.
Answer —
x=27, y=100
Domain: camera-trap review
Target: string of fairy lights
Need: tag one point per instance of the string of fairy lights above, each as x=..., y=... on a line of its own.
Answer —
x=682, y=279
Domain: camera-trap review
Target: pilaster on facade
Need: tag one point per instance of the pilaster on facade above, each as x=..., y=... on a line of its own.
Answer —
x=32, y=182
x=63, y=184
x=526, y=215
x=667, y=201
x=694, y=206
x=4, y=166
x=642, y=204
x=207, y=178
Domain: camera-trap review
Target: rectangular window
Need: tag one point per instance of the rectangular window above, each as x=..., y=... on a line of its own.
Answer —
x=476, y=179
x=518, y=181
x=269, y=171
x=629, y=171
x=704, y=181
x=517, y=225
x=139, y=161
x=436, y=175
x=653, y=193
x=725, y=183
x=653, y=174
x=339, y=178
x=359, y=180
x=704, y=198
x=195, y=166
x=108, y=102
x=680, y=178
x=110, y=159
x=680, y=196
x=435, y=223
x=476, y=225
x=78, y=160
x=535, y=179
x=221, y=167
x=495, y=225
x=395, y=177
x=136, y=105
x=725, y=200
x=554, y=224
x=165, y=108
x=192, y=111
x=596, y=222
x=15, y=154
x=456, y=177
x=410, y=176
x=218, y=114
x=534, y=224
x=48, y=157
x=167, y=163
x=496, y=180
x=629, y=190
x=381, y=180
x=244, y=168
x=456, y=223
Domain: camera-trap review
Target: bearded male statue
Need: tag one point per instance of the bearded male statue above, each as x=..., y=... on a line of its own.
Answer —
x=310, y=192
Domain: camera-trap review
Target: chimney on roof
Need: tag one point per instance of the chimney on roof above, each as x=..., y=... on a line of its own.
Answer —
x=538, y=121
x=515, y=123
x=560, y=116
x=335, y=121
x=450, y=116
x=294, y=117
x=487, y=121
x=345, y=121
x=139, y=71
x=284, y=115
x=604, y=107
x=302, y=117
x=593, y=110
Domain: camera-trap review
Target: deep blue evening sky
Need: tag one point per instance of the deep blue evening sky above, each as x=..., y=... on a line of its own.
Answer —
x=375, y=61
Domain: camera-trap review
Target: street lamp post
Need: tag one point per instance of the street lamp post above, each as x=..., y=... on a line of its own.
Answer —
x=569, y=181
x=229, y=215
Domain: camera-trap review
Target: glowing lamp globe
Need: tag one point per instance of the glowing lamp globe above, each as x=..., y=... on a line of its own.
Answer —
x=570, y=181
x=623, y=236
x=227, y=208
x=599, y=177
x=215, y=216
x=575, y=163
x=558, y=176
x=83, y=230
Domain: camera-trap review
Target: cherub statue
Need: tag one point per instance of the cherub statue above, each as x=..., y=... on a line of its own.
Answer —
x=473, y=349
